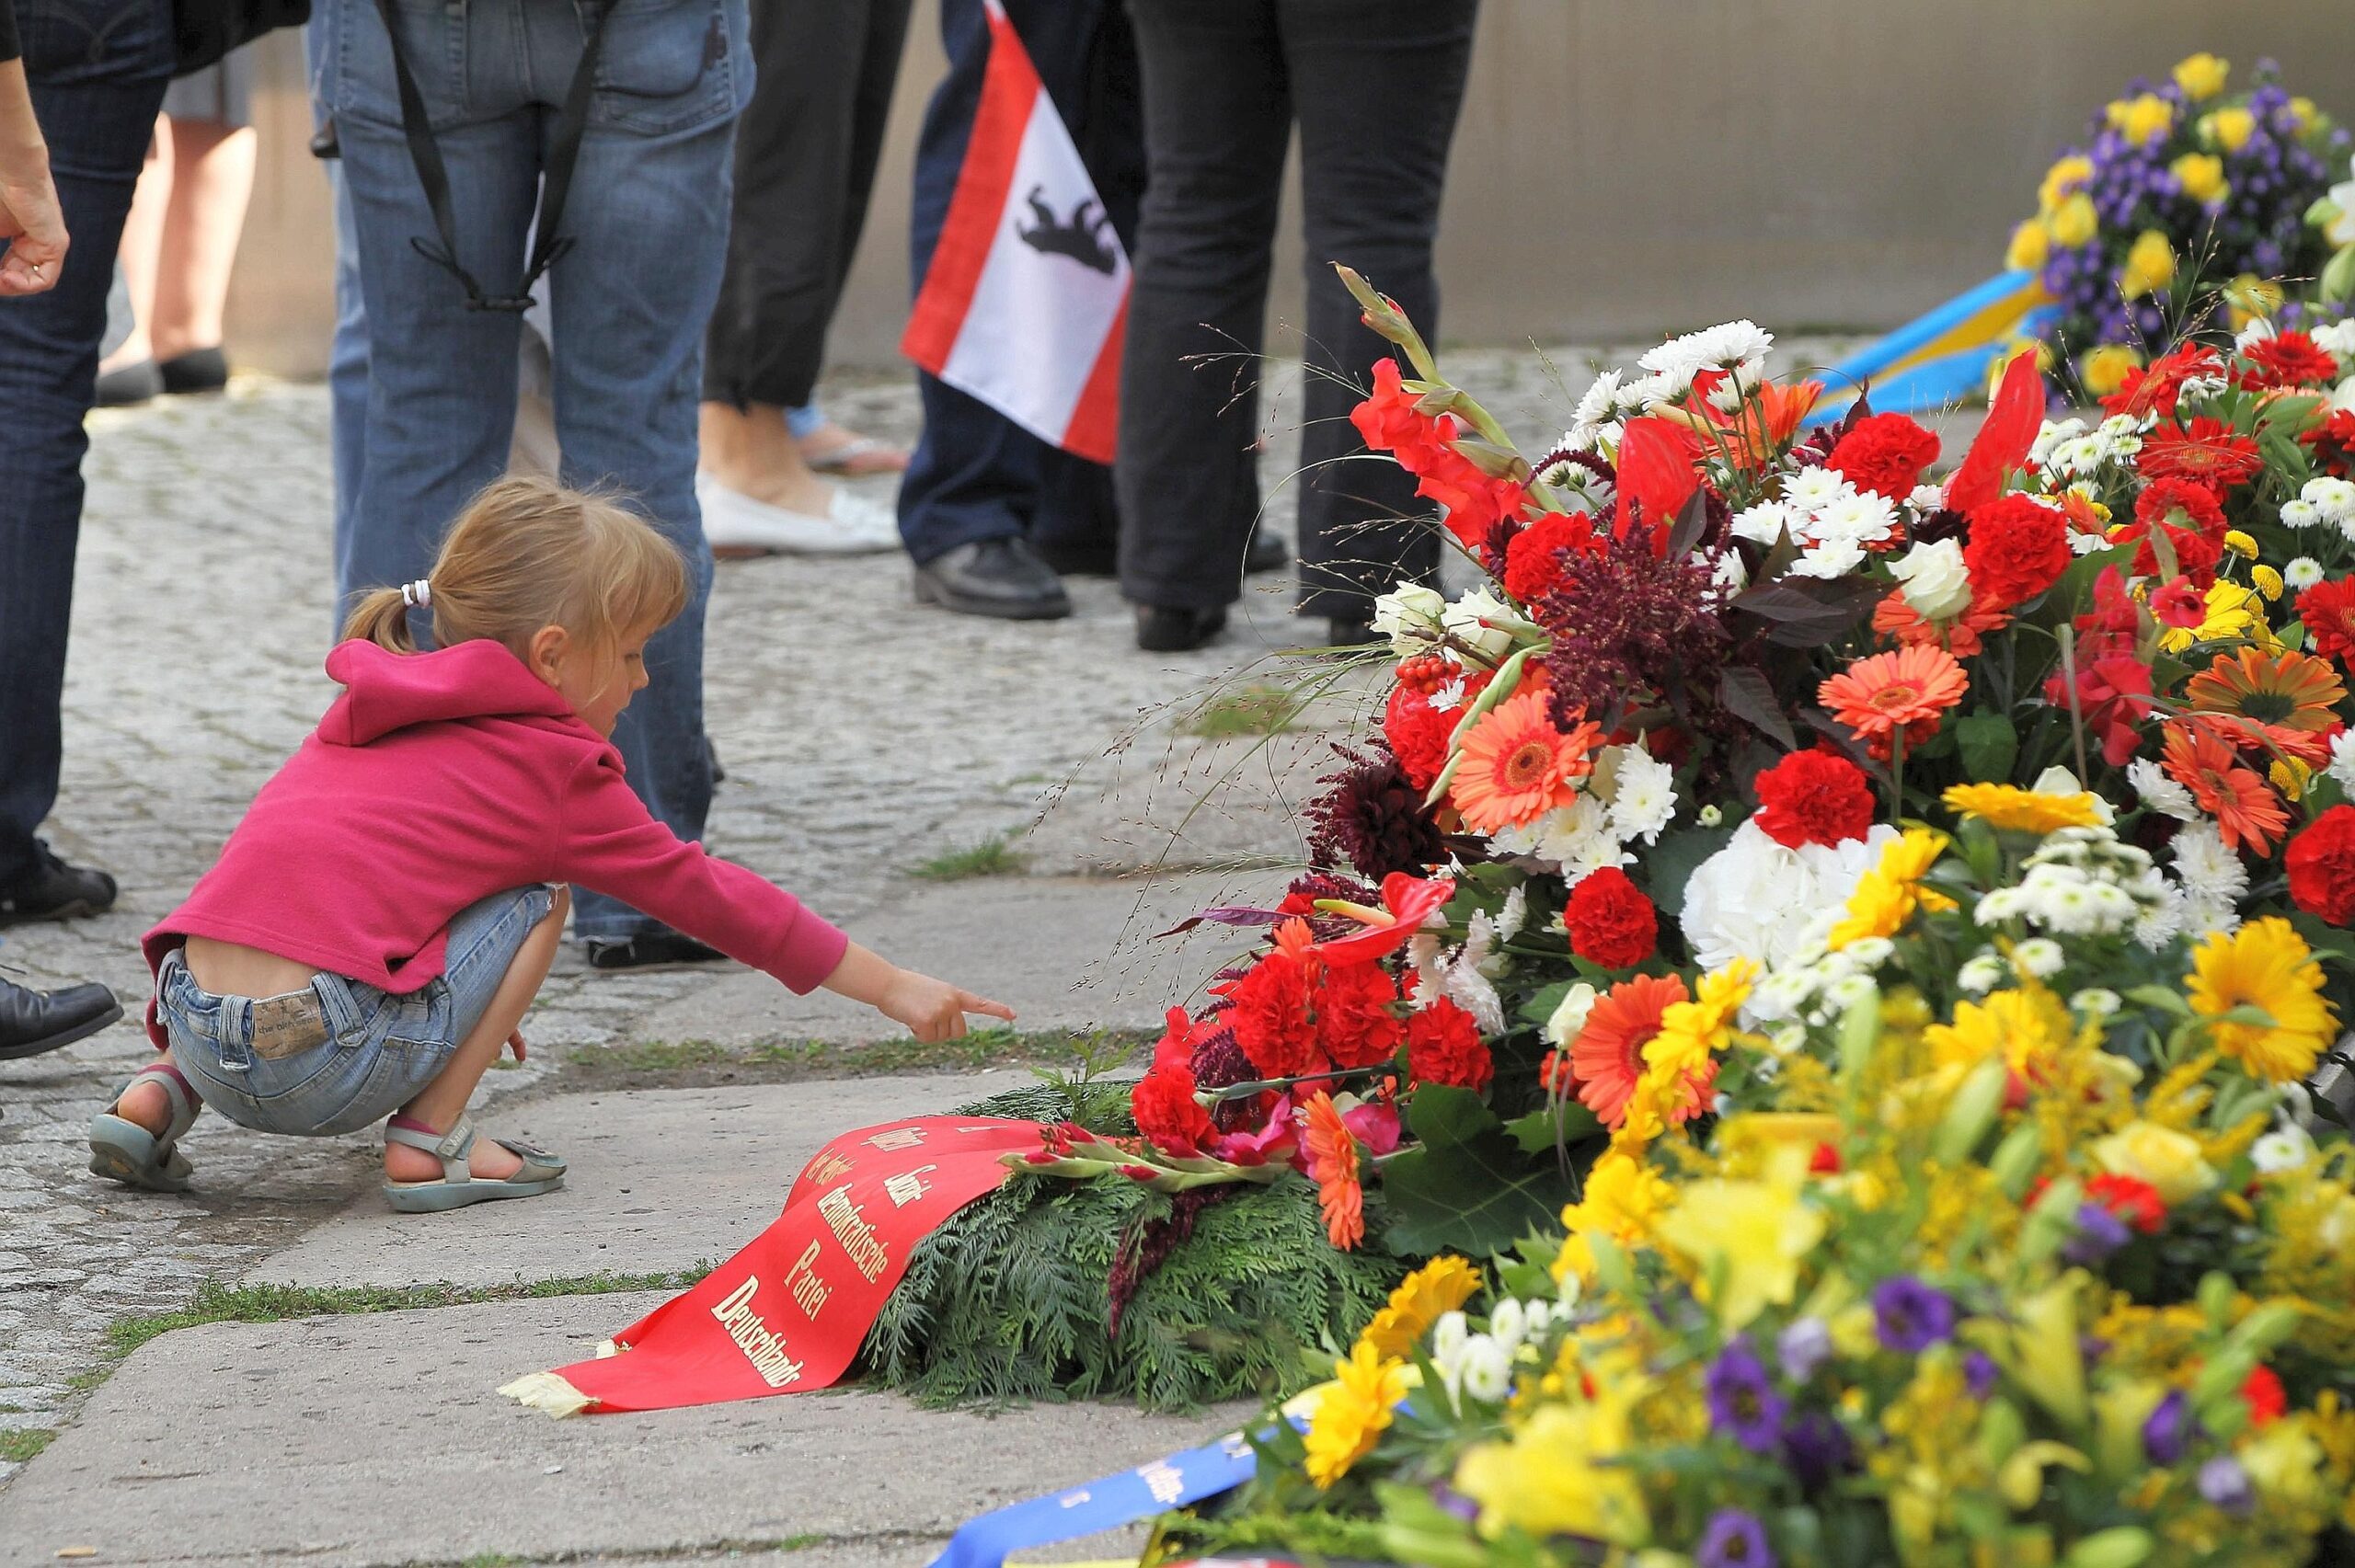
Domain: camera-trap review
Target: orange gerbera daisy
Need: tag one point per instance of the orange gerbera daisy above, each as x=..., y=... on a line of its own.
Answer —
x=2247, y=812
x=1333, y=1165
x=1608, y=1056
x=1910, y=687
x=1761, y=428
x=1516, y=766
x=2287, y=701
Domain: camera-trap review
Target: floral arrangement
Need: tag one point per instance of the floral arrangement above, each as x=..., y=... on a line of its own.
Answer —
x=2189, y=200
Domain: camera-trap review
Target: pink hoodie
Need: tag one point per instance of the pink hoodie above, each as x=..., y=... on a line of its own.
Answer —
x=436, y=779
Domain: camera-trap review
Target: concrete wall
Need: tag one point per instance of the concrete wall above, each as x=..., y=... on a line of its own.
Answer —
x=1624, y=167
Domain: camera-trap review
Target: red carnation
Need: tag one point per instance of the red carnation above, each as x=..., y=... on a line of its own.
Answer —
x=2207, y=452
x=2131, y=1198
x=2017, y=548
x=1532, y=561
x=1166, y=1112
x=1418, y=735
x=2321, y=860
x=1814, y=797
x=1611, y=923
x=2194, y=522
x=1270, y=1018
x=2328, y=612
x=1444, y=1046
x=2263, y=1393
x=2291, y=360
x=1885, y=453
x=1355, y=1024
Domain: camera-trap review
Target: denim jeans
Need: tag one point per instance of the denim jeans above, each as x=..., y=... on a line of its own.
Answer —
x=379, y=1052
x=648, y=216
x=98, y=70
x=975, y=473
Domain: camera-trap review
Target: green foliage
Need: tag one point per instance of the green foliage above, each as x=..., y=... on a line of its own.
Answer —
x=1008, y=1301
x=993, y=856
x=1466, y=1186
x=19, y=1444
x=1989, y=745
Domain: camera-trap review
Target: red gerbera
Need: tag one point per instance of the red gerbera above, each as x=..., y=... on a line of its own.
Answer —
x=2153, y=389
x=1356, y=1025
x=1608, y=1055
x=1816, y=797
x=2320, y=861
x=1270, y=1017
x=2017, y=548
x=2208, y=451
x=2328, y=612
x=2249, y=815
x=1611, y=923
x=1532, y=561
x=2333, y=441
x=2293, y=359
x=1418, y=734
x=1885, y=453
x=2194, y=525
x=2131, y=1198
x=1444, y=1046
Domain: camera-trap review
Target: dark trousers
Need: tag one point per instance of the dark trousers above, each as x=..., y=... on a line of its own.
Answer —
x=976, y=474
x=805, y=150
x=1374, y=85
x=97, y=68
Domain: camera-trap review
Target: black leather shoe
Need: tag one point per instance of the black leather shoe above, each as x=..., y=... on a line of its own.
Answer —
x=649, y=950
x=1101, y=560
x=54, y=890
x=1000, y=577
x=1162, y=629
x=127, y=386
x=32, y=1021
x=1266, y=553
x=198, y=369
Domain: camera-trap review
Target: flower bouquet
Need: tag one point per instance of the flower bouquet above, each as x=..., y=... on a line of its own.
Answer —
x=2189, y=200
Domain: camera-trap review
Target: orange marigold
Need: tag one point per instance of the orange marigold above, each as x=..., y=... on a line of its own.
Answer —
x=1516, y=766
x=1333, y=1165
x=2246, y=811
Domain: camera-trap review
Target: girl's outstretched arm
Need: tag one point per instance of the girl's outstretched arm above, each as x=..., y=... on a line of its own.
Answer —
x=934, y=1010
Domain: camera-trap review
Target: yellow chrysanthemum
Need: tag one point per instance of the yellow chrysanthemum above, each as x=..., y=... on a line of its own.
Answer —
x=1555, y=1475
x=2103, y=370
x=1422, y=1297
x=2202, y=75
x=2229, y=128
x=2267, y=966
x=2150, y=265
x=2063, y=179
x=1746, y=1239
x=2017, y=810
x=2030, y=245
x=2240, y=544
x=1886, y=896
x=2291, y=777
x=2267, y=581
x=2302, y=113
x=2201, y=175
x=2023, y=1026
x=2142, y=117
x=1352, y=1411
x=1622, y=1198
x=2074, y=221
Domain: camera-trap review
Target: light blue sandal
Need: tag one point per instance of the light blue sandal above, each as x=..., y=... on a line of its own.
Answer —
x=122, y=1150
x=541, y=1171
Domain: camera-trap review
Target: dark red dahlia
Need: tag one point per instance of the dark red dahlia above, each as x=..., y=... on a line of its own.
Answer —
x=1629, y=625
x=1372, y=818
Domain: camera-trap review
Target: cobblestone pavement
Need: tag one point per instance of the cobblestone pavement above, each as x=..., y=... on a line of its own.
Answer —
x=859, y=733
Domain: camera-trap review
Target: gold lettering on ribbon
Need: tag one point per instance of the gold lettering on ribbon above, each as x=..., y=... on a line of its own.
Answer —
x=908, y=1185
x=897, y=1138
x=763, y=1349
x=809, y=1292
x=828, y=1167
x=848, y=1223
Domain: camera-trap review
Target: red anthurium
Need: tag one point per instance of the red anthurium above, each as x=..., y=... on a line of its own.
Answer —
x=2003, y=440
x=1656, y=472
x=1406, y=902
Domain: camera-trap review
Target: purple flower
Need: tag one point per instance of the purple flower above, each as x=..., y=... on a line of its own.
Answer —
x=1979, y=1374
x=1804, y=1346
x=2100, y=1233
x=2223, y=1483
x=1817, y=1447
x=1743, y=1403
x=2168, y=1431
x=1912, y=1316
x=1735, y=1540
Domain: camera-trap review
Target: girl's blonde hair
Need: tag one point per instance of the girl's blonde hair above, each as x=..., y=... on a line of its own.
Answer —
x=527, y=553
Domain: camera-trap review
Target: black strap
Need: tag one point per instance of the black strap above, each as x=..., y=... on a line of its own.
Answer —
x=556, y=180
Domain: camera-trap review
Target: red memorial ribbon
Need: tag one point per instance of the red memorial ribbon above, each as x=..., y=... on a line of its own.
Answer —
x=788, y=1313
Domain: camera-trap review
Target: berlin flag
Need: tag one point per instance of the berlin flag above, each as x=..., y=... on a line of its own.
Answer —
x=1029, y=290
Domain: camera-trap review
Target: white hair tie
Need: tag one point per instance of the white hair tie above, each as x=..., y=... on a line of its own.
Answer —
x=417, y=595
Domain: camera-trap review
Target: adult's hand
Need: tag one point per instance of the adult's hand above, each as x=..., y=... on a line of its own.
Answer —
x=30, y=219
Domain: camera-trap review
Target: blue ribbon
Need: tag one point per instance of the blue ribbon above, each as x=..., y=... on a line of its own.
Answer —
x=1107, y=1503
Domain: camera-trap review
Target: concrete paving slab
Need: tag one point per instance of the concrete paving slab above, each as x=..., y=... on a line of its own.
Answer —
x=660, y=1179
x=379, y=1439
x=1062, y=952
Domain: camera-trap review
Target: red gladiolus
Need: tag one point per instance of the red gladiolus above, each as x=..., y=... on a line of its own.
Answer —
x=1166, y=1112
x=2114, y=693
x=2321, y=862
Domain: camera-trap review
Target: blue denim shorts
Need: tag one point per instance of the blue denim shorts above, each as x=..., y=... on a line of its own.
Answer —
x=342, y=1054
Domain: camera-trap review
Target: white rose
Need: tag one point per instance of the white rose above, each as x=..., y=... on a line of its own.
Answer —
x=1938, y=585
x=1410, y=615
x=1465, y=619
x=1569, y=1021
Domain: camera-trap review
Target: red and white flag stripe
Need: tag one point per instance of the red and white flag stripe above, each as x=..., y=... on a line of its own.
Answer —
x=1028, y=293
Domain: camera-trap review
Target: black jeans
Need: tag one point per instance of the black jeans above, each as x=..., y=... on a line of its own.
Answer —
x=975, y=473
x=98, y=70
x=1375, y=85
x=805, y=150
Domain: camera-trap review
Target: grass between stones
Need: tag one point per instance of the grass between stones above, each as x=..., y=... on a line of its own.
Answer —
x=677, y=1063
x=993, y=856
x=1256, y=709
x=21, y=1443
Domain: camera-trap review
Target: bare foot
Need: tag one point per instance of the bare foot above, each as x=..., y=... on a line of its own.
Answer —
x=830, y=447
x=145, y=1103
x=753, y=454
x=490, y=1161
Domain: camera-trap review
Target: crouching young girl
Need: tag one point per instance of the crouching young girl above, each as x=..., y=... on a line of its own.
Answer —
x=379, y=922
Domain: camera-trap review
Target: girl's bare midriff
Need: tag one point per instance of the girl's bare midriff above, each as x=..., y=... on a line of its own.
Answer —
x=227, y=968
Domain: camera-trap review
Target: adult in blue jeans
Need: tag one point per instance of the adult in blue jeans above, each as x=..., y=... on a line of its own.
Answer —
x=640, y=246
x=97, y=70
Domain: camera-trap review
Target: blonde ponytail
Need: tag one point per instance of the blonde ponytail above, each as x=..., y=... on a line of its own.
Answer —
x=382, y=618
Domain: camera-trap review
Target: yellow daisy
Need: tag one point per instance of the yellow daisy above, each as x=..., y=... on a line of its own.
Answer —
x=1886, y=896
x=1352, y=1411
x=1438, y=1287
x=2265, y=965
x=2020, y=810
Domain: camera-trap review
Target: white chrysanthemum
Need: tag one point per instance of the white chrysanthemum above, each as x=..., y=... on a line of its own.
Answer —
x=1514, y=915
x=1740, y=902
x=2197, y=390
x=1767, y=521
x=2041, y=956
x=2332, y=499
x=2096, y=1001
x=2205, y=865
x=1448, y=696
x=1636, y=397
x=2051, y=437
x=1833, y=558
x=1643, y=797
x=2287, y=1147
x=2301, y=573
x=1595, y=405
x=2337, y=338
x=2342, y=759
x=1927, y=497
x=2161, y=922
x=2300, y=513
x=1811, y=490
x=1728, y=575
x=1857, y=515
x=2160, y=792
x=2120, y=430
x=1781, y=995
x=1982, y=973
